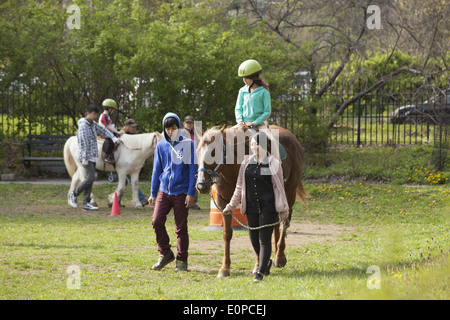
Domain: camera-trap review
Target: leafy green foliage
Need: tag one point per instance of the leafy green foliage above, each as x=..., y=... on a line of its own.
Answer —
x=150, y=57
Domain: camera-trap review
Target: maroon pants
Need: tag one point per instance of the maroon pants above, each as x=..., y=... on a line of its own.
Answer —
x=164, y=203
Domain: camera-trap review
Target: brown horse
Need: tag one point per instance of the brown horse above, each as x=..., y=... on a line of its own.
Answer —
x=220, y=154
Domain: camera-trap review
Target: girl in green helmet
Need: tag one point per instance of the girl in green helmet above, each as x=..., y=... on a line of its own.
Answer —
x=109, y=107
x=253, y=106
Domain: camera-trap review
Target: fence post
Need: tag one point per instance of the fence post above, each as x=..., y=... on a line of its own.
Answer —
x=358, y=139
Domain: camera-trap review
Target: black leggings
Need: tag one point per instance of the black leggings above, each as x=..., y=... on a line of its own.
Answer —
x=261, y=239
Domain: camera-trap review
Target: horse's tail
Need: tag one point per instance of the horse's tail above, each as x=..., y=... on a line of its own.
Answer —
x=68, y=159
x=302, y=194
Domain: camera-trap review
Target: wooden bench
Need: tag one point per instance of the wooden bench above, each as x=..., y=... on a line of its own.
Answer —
x=45, y=143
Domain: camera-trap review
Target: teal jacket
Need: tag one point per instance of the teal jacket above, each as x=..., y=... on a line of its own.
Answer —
x=253, y=107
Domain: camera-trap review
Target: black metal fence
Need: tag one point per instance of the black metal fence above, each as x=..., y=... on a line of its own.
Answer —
x=26, y=110
x=396, y=113
x=387, y=117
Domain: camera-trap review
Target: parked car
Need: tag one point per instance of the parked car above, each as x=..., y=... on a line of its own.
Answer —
x=433, y=111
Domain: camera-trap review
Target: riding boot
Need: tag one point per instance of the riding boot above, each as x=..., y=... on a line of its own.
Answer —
x=110, y=158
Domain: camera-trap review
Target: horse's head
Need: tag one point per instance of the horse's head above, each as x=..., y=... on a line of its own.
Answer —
x=211, y=155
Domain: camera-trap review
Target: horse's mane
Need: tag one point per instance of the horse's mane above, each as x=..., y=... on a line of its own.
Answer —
x=212, y=133
x=138, y=141
x=216, y=137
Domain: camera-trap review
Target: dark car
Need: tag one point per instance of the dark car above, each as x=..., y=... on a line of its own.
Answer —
x=433, y=111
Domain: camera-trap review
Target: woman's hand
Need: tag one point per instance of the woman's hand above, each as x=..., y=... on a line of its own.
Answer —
x=284, y=215
x=226, y=212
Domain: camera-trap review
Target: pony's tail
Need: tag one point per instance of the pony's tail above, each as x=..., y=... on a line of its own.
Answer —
x=68, y=159
x=302, y=194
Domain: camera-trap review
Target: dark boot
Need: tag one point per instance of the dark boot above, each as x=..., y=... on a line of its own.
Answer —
x=181, y=265
x=163, y=261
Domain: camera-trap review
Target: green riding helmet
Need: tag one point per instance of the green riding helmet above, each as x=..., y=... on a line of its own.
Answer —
x=109, y=103
x=249, y=68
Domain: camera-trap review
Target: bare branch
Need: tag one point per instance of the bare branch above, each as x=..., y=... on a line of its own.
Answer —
x=377, y=84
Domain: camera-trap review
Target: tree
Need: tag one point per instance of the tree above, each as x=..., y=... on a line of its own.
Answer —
x=150, y=56
x=338, y=33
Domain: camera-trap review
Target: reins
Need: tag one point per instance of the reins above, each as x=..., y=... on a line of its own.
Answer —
x=242, y=224
x=213, y=175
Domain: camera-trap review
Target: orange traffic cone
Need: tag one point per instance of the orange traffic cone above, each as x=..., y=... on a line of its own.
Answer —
x=115, y=210
x=215, y=216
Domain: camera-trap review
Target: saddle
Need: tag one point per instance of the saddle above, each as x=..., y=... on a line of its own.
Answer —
x=281, y=150
x=108, y=150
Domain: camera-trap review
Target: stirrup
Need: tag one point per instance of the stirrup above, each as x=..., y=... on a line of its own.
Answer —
x=110, y=159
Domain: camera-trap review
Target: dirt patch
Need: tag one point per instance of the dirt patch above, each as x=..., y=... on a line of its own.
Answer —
x=298, y=235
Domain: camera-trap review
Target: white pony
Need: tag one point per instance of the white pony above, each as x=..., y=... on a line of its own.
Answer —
x=130, y=157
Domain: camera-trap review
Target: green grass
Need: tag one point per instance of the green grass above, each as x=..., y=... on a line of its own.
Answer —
x=401, y=165
x=404, y=230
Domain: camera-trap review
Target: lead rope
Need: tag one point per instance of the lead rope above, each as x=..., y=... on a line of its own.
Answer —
x=245, y=226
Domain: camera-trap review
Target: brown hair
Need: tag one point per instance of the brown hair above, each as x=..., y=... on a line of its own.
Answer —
x=258, y=80
x=264, y=141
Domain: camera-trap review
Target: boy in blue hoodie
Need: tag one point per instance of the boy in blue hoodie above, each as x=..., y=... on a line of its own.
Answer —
x=174, y=170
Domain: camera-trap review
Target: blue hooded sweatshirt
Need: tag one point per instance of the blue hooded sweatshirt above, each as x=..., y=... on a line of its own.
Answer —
x=175, y=164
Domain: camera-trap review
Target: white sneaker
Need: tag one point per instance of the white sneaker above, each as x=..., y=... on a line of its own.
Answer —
x=73, y=200
x=89, y=207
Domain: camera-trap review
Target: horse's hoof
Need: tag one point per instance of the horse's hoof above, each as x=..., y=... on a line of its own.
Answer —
x=279, y=262
x=95, y=204
x=223, y=273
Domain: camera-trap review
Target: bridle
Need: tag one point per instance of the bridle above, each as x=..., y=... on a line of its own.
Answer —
x=214, y=173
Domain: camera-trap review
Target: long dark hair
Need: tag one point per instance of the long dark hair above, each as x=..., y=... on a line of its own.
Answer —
x=264, y=141
x=258, y=80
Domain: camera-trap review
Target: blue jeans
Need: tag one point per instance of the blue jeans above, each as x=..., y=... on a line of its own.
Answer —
x=142, y=197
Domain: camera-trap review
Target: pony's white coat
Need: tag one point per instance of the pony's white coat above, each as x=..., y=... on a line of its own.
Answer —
x=130, y=157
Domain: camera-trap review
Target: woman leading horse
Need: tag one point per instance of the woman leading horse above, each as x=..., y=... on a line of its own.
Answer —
x=220, y=154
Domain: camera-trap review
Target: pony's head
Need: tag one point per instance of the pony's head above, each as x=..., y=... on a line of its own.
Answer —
x=219, y=147
x=211, y=155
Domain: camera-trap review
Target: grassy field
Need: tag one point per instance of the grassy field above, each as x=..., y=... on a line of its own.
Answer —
x=392, y=165
x=401, y=230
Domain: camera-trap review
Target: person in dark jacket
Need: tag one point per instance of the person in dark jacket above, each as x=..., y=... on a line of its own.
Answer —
x=192, y=132
x=174, y=175
x=260, y=190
